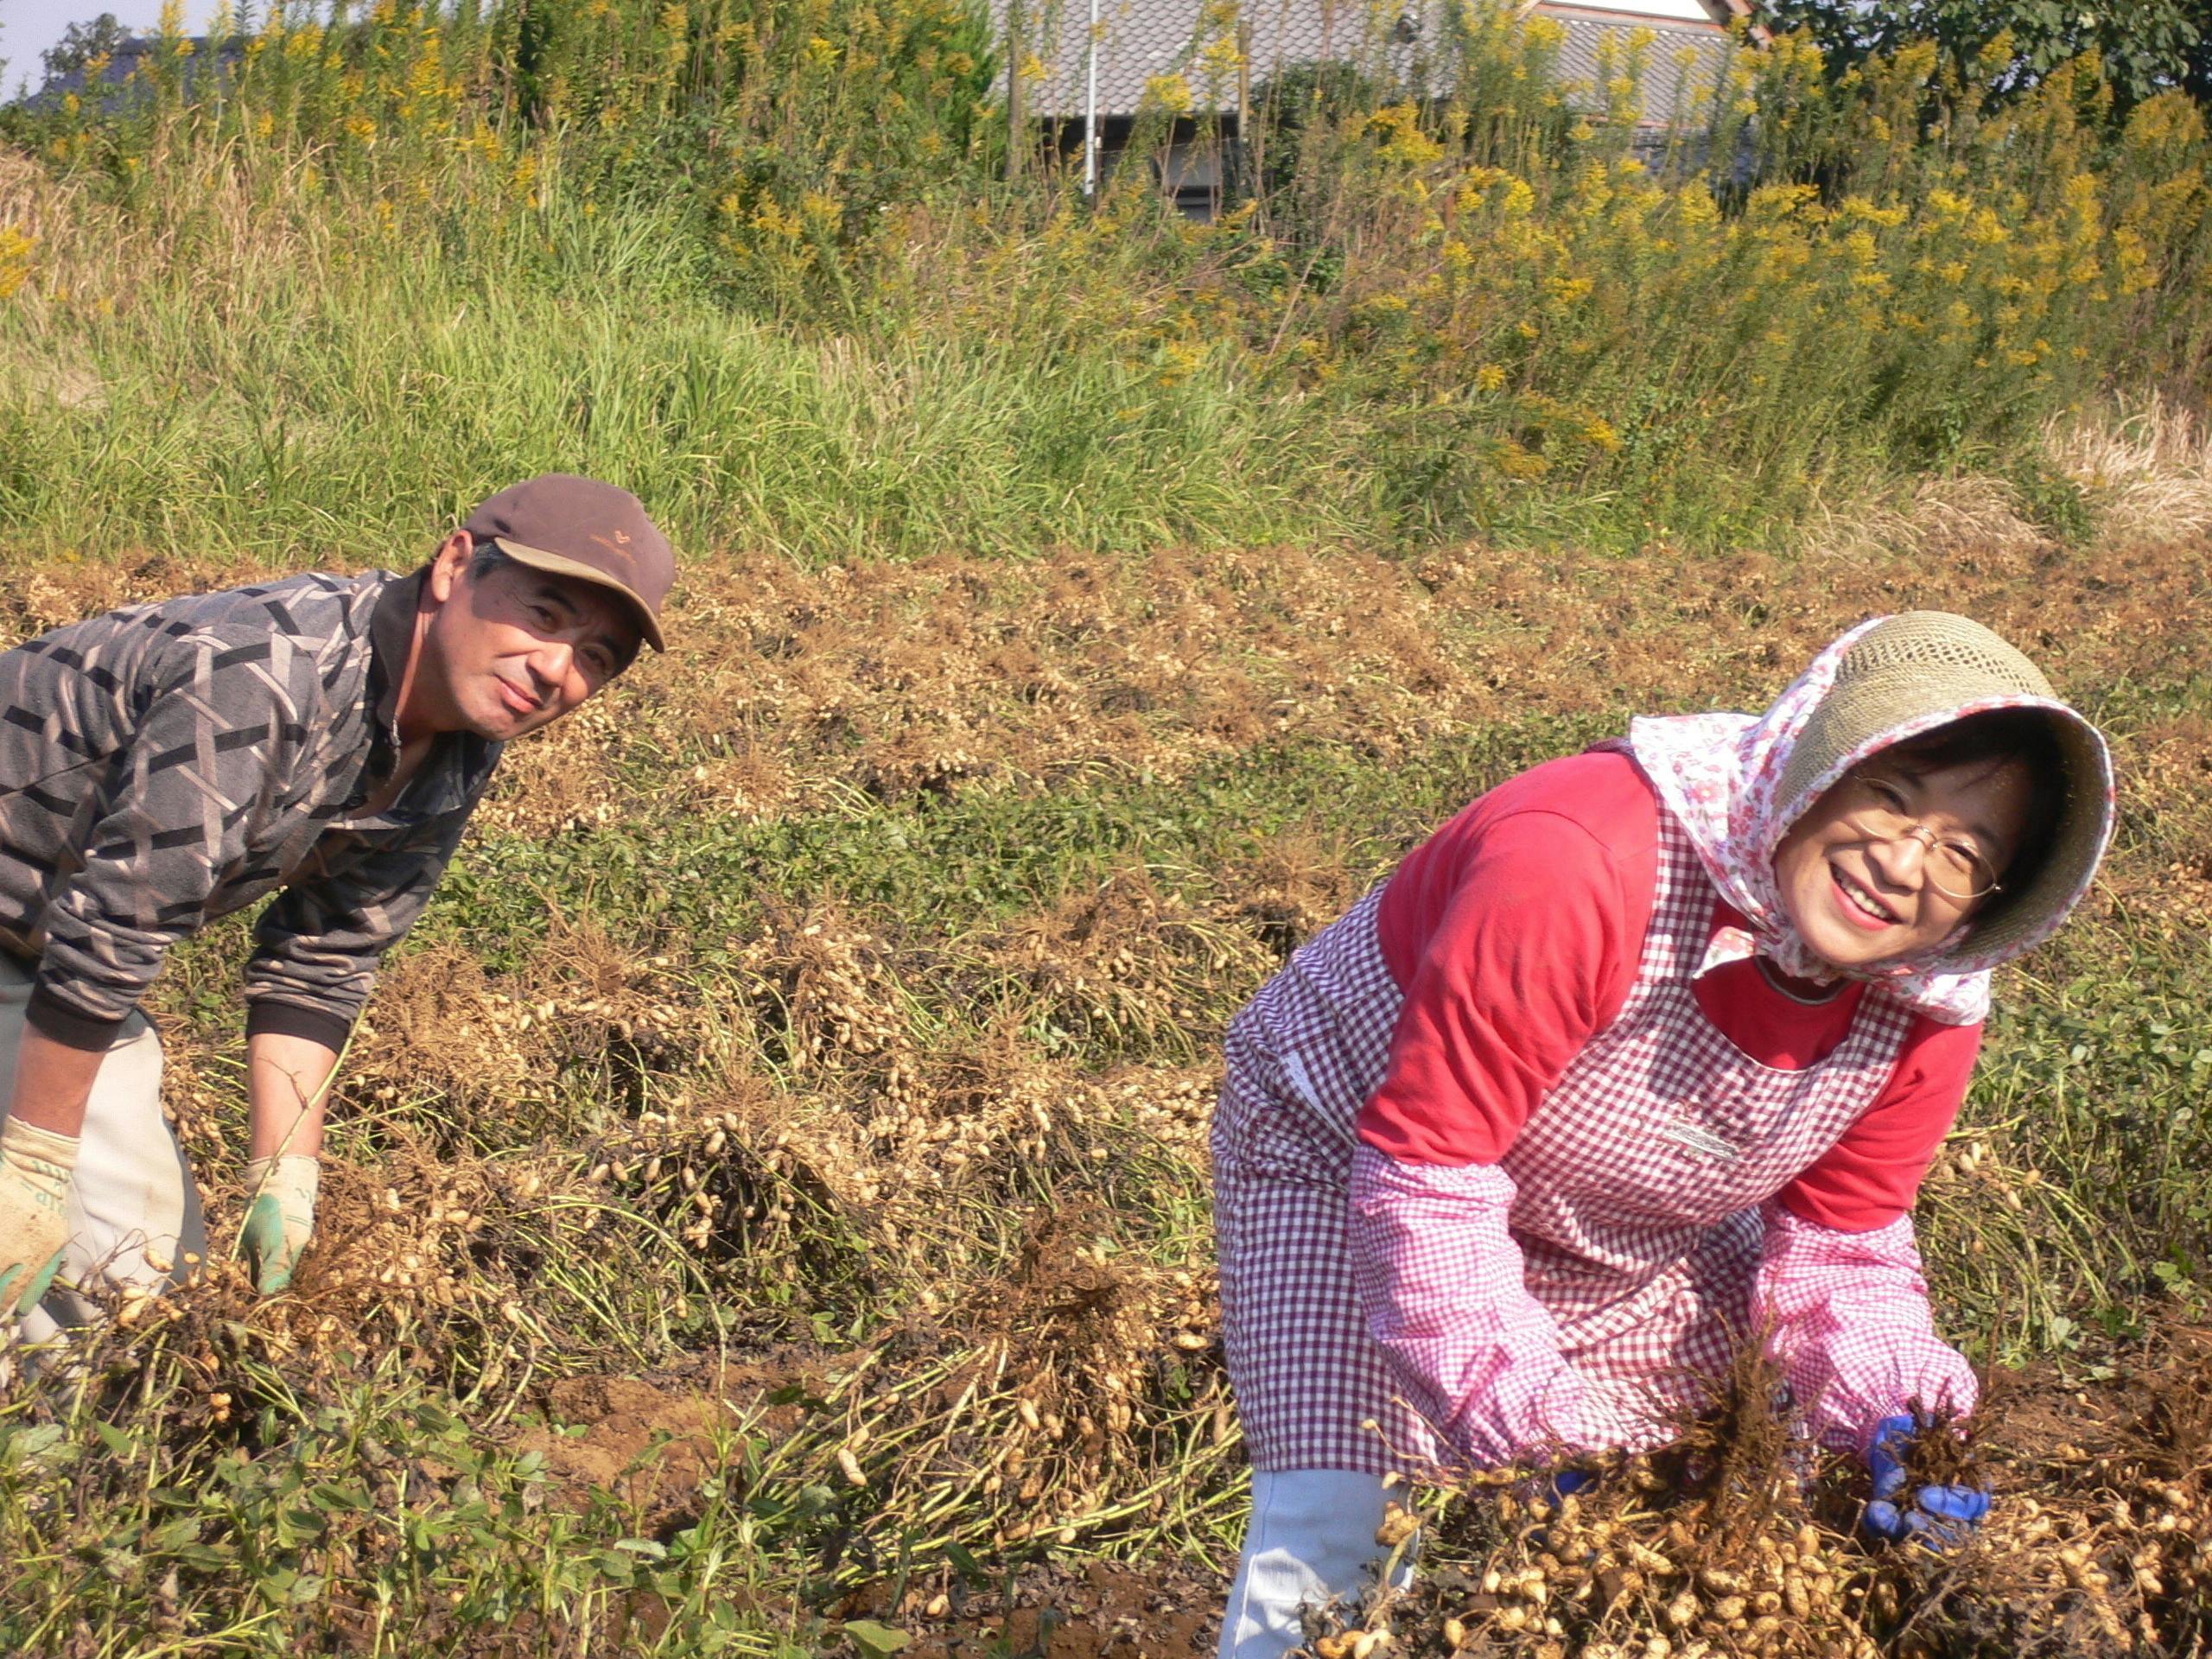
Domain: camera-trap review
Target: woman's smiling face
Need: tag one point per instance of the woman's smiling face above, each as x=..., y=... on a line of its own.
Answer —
x=1857, y=898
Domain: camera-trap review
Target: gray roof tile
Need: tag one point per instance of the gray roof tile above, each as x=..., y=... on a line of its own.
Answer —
x=1141, y=39
x=1668, y=85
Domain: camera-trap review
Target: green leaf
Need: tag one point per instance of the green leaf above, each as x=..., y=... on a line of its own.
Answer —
x=873, y=1638
x=793, y=1395
x=176, y=1533
x=46, y=1446
x=114, y=1440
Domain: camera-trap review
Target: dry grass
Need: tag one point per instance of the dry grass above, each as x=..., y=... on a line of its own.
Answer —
x=790, y=693
x=2146, y=468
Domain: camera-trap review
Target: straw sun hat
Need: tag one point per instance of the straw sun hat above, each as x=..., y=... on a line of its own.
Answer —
x=1912, y=673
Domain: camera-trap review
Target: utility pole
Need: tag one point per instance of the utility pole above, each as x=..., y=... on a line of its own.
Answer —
x=1017, y=124
x=1090, y=112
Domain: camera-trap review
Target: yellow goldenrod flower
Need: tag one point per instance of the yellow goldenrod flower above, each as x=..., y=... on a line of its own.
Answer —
x=2131, y=258
x=15, y=250
x=1398, y=126
x=1517, y=462
x=1170, y=94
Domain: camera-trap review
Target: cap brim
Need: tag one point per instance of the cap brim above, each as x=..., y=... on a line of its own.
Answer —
x=555, y=564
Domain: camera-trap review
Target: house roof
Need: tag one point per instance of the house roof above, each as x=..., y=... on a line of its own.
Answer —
x=1682, y=59
x=1139, y=39
x=128, y=56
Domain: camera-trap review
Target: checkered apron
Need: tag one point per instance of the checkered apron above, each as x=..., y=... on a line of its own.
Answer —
x=1639, y=1176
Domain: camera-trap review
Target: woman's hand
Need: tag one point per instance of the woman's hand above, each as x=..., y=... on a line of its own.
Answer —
x=1936, y=1517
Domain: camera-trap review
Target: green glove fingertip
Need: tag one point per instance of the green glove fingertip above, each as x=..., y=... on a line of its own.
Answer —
x=35, y=1292
x=264, y=1243
x=40, y=1284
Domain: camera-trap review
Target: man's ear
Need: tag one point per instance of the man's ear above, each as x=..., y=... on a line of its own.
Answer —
x=449, y=565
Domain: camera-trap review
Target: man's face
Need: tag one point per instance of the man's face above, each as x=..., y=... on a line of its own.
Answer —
x=513, y=648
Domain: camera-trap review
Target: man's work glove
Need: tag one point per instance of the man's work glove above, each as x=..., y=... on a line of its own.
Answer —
x=280, y=1216
x=1936, y=1517
x=35, y=1166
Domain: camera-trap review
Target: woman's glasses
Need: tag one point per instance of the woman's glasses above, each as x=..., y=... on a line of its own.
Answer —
x=1957, y=866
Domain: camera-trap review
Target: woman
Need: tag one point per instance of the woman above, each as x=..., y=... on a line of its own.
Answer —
x=1648, y=1047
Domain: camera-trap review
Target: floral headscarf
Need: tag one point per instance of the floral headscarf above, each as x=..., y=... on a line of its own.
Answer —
x=1720, y=775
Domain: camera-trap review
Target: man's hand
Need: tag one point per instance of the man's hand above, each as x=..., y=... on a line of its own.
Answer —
x=1936, y=1517
x=35, y=1167
x=279, y=1217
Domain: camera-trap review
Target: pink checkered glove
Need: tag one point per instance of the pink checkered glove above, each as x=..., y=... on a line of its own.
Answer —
x=1442, y=1282
x=1851, y=1326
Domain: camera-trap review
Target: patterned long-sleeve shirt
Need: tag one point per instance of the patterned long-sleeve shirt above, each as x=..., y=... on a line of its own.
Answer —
x=165, y=764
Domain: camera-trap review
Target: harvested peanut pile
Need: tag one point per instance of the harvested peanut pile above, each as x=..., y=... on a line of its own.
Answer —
x=1737, y=1543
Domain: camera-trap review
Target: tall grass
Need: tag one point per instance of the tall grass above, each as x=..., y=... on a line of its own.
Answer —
x=759, y=259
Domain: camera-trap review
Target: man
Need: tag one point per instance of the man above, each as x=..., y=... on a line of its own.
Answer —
x=323, y=738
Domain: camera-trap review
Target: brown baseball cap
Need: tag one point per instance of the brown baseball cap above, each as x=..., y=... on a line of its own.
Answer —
x=579, y=527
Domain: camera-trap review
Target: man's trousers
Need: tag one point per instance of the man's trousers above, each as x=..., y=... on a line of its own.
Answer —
x=134, y=1211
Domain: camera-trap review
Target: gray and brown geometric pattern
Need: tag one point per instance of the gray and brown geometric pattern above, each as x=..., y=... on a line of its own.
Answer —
x=169, y=763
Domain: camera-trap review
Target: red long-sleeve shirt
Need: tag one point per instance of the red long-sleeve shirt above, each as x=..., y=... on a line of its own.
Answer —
x=1514, y=933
